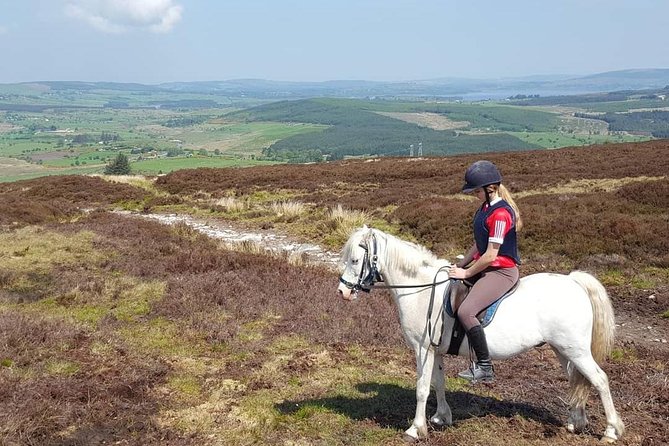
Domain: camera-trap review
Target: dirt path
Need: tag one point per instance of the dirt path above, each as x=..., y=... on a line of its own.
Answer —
x=234, y=234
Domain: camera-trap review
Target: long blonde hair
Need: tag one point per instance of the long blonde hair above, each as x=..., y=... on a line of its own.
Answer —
x=506, y=196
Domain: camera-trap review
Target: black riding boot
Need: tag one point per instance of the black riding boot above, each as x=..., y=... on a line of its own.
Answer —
x=482, y=370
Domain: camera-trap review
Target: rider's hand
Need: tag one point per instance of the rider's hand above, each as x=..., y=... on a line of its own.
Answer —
x=455, y=272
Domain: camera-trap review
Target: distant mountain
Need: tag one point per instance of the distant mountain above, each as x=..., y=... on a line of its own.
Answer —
x=616, y=80
x=87, y=86
x=542, y=85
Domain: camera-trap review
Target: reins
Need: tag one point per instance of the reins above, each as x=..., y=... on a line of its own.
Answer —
x=424, y=285
x=433, y=285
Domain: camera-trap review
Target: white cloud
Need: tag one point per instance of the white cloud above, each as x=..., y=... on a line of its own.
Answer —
x=117, y=16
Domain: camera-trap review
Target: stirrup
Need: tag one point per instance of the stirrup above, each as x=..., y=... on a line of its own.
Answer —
x=478, y=373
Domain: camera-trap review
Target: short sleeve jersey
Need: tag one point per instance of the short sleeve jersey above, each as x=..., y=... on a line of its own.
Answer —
x=499, y=222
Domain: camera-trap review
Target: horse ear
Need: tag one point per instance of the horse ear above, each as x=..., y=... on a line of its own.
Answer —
x=364, y=227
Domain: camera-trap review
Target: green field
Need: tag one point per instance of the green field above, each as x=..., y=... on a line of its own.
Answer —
x=551, y=140
x=59, y=141
x=13, y=170
x=79, y=127
x=241, y=138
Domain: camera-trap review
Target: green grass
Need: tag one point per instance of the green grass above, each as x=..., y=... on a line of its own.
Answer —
x=624, y=355
x=621, y=106
x=550, y=140
x=159, y=336
x=51, y=153
x=241, y=138
x=38, y=250
x=297, y=131
x=14, y=170
x=187, y=386
x=61, y=368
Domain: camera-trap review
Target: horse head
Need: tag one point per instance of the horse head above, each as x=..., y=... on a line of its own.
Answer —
x=360, y=264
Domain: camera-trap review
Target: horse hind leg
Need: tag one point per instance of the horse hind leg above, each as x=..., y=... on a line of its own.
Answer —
x=443, y=416
x=585, y=368
x=578, y=420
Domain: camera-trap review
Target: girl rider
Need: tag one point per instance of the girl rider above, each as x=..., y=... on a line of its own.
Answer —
x=491, y=263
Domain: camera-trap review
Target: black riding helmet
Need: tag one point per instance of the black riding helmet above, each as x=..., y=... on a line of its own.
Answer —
x=480, y=174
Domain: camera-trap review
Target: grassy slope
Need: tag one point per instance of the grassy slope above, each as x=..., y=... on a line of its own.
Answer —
x=357, y=130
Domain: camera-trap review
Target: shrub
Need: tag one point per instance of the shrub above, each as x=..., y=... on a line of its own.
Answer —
x=119, y=165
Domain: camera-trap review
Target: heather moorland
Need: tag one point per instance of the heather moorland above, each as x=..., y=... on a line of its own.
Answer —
x=119, y=330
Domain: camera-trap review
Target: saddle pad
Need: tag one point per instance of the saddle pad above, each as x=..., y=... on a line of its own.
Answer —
x=487, y=314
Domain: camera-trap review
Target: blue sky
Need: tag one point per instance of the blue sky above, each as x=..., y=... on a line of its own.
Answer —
x=153, y=41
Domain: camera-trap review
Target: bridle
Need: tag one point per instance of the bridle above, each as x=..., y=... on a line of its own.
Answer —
x=369, y=276
x=369, y=272
x=370, y=264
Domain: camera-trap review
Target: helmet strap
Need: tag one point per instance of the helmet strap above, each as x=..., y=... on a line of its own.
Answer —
x=487, y=195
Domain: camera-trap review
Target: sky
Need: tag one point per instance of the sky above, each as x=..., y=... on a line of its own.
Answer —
x=156, y=41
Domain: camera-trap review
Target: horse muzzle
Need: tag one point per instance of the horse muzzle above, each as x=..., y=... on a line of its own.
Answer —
x=347, y=290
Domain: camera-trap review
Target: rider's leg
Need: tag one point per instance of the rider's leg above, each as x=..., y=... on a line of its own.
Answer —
x=492, y=284
x=482, y=370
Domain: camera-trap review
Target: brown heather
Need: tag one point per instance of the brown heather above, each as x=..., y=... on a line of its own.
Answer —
x=204, y=280
x=241, y=348
x=627, y=222
x=52, y=198
x=370, y=184
x=96, y=402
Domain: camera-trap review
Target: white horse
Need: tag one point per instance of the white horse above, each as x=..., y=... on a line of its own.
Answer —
x=572, y=313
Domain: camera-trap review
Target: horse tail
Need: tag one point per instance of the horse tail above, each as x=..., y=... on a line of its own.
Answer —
x=603, y=333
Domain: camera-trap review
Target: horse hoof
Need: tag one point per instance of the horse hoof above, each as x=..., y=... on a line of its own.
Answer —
x=440, y=422
x=576, y=428
x=608, y=440
x=408, y=438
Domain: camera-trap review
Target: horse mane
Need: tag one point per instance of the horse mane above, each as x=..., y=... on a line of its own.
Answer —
x=406, y=256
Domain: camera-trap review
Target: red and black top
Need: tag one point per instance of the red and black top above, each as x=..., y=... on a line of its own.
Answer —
x=496, y=222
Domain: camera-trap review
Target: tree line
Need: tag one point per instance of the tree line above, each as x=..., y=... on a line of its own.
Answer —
x=655, y=123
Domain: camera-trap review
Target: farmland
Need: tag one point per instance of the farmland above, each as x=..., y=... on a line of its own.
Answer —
x=115, y=329
x=70, y=127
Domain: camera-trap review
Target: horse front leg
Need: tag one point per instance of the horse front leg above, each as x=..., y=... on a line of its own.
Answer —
x=424, y=364
x=443, y=417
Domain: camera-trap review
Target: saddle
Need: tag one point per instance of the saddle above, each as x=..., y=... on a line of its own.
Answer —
x=453, y=298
